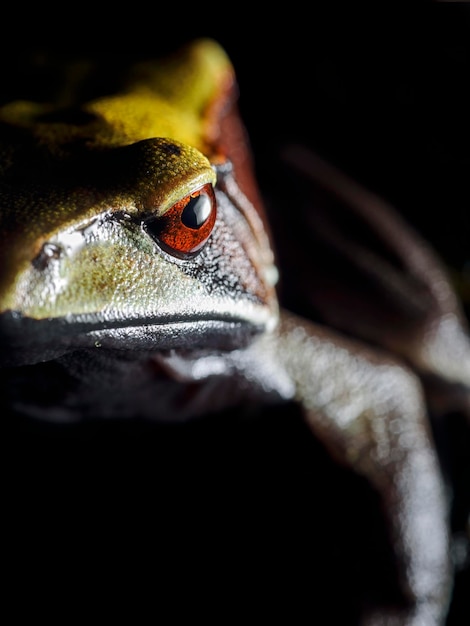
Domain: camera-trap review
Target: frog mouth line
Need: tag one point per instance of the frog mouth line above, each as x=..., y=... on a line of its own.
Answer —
x=28, y=341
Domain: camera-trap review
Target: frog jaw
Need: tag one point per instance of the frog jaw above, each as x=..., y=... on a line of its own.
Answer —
x=106, y=283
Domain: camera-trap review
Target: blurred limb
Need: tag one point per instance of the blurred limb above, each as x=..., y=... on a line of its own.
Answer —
x=371, y=275
x=370, y=413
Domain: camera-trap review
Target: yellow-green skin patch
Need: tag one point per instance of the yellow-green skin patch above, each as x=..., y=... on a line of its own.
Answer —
x=63, y=165
x=162, y=98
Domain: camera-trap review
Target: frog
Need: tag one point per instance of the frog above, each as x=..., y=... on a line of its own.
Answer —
x=140, y=281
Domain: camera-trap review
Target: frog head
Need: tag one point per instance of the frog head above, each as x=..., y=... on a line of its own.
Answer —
x=127, y=222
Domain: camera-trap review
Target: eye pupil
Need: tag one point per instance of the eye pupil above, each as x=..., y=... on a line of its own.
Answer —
x=196, y=212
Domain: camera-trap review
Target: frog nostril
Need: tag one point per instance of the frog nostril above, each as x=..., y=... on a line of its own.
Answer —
x=48, y=252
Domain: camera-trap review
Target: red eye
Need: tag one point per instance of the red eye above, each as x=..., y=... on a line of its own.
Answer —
x=184, y=229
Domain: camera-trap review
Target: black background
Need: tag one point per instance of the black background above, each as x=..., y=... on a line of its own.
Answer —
x=201, y=521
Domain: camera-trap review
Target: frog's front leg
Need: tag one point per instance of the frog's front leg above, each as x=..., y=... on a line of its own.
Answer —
x=369, y=412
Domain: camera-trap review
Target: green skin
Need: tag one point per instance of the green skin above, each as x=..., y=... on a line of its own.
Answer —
x=86, y=286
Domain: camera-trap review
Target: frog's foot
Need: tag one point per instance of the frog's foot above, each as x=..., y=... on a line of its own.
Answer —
x=369, y=412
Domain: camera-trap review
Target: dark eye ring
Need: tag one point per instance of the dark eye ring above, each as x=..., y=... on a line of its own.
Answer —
x=184, y=229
